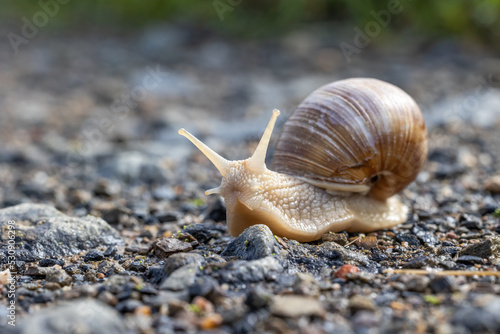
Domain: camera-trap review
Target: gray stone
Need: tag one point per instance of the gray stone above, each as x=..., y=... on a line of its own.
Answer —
x=178, y=260
x=484, y=249
x=482, y=317
x=78, y=316
x=256, y=242
x=306, y=284
x=250, y=271
x=167, y=246
x=292, y=306
x=181, y=278
x=417, y=283
x=443, y=284
x=484, y=114
x=58, y=276
x=359, y=302
x=165, y=297
x=258, y=297
x=46, y=232
x=344, y=254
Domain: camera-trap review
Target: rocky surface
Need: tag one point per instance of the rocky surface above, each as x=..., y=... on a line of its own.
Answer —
x=77, y=316
x=113, y=232
x=45, y=232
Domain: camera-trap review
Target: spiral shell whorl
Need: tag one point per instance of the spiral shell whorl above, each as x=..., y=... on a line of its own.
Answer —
x=355, y=132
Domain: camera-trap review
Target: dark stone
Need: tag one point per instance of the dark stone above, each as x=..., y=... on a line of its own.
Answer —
x=110, y=251
x=449, y=250
x=107, y=188
x=488, y=208
x=442, y=284
x=411, y=239
x=258, y=297
x=147, y=290
x=93, y=255
x=137, y=266
x=155, y=275
x=77, y=316
x=128, y=306
x=150, y=220
x=43, y=297
x=165, y=247
x=469, y=259
x=50, y=262
x=36, y=271
x=216, y=211
x=480, y=319
x=48, y=233
x=255, y=242
x=183, y=236
x=471, y=222
x=13, y=157
x=484, y=249
x=35, y=190
x=442, y=155
x=423, y=214
x=417, y=262
x=125, y=293
x=112, y=213
x=203, y=286
x=426, y=237
x=167, y=216
x=85, y=268
x=206, y=231
x=72, y=269
x=446, y=171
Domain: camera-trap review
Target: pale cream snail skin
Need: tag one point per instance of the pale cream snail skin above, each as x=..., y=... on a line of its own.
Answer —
x=342, y=157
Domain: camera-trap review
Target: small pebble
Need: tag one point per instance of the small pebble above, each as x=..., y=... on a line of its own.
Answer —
x=367, y=242
x=359, y=302
x=493, y=184
x=211, y=321
x=339, y=238
x=165, y=247
x=293, y=306
x=344, y=270
x=93, y=255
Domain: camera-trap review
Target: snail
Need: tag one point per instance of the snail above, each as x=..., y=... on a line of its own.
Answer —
x=343, y=156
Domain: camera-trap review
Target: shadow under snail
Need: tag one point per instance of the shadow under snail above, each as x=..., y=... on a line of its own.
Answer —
x=342, y=157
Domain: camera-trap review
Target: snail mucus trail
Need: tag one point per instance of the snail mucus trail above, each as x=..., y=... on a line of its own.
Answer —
x=318, y=190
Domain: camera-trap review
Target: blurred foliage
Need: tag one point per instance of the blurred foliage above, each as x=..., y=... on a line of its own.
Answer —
x=474, y=20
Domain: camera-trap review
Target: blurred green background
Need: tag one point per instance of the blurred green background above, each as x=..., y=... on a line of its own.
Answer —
x=475, y=22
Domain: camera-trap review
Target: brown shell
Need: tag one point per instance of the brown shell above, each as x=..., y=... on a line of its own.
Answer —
x=354, y=134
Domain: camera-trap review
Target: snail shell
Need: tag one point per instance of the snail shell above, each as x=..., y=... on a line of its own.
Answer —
x=343, y=154
x=359, y=135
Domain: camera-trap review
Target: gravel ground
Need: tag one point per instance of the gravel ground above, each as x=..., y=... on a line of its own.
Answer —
x=113, y=233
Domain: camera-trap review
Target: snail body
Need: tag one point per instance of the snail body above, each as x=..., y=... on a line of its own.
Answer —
x=342, y=157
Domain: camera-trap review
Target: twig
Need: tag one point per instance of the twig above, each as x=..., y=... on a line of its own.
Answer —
x=350, y=243
x=442, y=273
